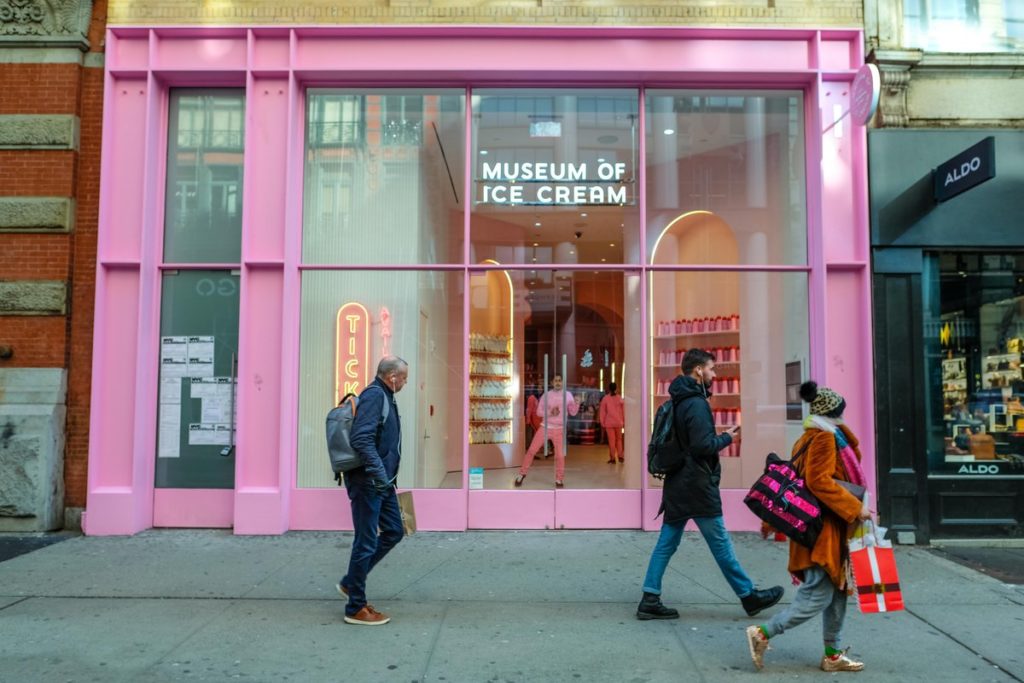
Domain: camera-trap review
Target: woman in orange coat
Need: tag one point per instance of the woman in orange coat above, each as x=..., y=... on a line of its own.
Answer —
x=830, y=453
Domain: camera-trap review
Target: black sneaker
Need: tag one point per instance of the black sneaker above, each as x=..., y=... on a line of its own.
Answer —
x=650, y=607
x=759, y=600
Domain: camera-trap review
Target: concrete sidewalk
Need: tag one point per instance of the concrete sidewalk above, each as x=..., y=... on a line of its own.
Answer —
x=476, y=606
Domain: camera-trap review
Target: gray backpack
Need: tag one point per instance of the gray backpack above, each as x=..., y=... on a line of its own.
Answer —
x=339, y=428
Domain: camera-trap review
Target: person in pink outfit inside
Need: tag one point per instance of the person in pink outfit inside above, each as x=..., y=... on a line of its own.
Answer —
x=549, y=408
x=611, y=414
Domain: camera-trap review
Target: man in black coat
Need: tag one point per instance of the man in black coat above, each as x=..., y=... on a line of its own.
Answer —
x=691, y=492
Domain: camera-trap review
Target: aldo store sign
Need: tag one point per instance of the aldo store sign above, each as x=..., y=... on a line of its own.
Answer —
x=967, y=169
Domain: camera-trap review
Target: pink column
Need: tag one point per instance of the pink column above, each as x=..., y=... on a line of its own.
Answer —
x=262, y=485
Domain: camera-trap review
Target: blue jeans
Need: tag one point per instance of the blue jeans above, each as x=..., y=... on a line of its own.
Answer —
x=717, y=538
x=371, y=510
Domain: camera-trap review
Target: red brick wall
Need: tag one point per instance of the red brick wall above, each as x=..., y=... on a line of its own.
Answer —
x=58, y=341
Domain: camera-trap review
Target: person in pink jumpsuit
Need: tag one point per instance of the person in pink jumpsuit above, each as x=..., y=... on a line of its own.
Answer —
x=549, y=408
x=611, y=414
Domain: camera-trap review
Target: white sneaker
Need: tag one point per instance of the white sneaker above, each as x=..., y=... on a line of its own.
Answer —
x=840, y=662
x=758, y=644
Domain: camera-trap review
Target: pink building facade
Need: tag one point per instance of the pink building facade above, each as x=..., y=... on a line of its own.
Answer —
x=280, y=207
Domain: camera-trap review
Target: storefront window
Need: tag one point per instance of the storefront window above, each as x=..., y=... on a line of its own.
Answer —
x=555, y=176
x=964, y=25
x=384, y=177
x=198, y=373
x=737, y=157
x=350, y=320
x=529, y=328
x=203, y=203
x=974, y=338
x=755, y=324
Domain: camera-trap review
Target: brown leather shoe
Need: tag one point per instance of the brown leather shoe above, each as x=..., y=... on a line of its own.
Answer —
x=367, y=617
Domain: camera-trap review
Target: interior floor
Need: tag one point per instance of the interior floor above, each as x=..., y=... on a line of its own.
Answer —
x=586, y=467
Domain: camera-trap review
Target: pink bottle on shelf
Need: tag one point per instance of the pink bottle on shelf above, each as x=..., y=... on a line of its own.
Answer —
x=735, y=321
x=736, y=354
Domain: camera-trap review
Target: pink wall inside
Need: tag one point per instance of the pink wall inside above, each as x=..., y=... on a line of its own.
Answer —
x=275, y=65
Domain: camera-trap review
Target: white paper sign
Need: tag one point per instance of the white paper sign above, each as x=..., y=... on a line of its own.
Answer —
x=170, y=431
x=476, y=477
x=170, y=391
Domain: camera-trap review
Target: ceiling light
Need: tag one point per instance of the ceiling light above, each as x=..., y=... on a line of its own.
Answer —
x=583, y=215
x=600, y=160
x=612, y=244
x=670, y=131
x=572, y=253
x=536, y=244
x=483, y=152
x=536, y=225
x=603, y=260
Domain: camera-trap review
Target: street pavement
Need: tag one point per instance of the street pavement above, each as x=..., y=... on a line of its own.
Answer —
x=202, y=605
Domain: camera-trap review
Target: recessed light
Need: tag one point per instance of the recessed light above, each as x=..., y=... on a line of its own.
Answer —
x=572, y=253
x=583, y=215
x=536, y=244
x=600, y=160
x=670, y=131
x=534, y=258
x=612, y=244
x=603, y=260
x=536, y=225
x=483, y=152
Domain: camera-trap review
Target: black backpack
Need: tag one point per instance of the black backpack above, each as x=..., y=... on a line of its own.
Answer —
x=339, y=425
x=665, y=452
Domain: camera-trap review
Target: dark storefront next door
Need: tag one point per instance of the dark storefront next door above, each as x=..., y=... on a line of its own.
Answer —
x=949, y=340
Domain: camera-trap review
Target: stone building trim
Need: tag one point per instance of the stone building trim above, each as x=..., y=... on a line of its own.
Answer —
x=33, y=297
x=45, y=23
x=39, y=132
x=36, y=214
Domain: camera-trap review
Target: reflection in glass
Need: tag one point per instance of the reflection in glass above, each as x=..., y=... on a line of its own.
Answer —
x=963, y=25
x=755, y=324
x=383, y=179
x=350, y=320
x=526, y=328
x=555, y=176
x=738, y=156
x=203, y=216
x=974, y=337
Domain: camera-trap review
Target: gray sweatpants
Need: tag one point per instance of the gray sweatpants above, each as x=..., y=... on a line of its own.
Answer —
x=816, y=595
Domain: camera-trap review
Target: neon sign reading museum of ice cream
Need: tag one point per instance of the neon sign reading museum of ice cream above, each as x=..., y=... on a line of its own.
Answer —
x=554, y=183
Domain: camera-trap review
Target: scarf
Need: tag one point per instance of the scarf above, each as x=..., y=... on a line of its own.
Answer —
x=847, y=456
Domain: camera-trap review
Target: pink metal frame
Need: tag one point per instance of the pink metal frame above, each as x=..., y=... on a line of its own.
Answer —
x=275, y=65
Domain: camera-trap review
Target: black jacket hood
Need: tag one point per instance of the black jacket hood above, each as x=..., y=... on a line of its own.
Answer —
x=685, y=387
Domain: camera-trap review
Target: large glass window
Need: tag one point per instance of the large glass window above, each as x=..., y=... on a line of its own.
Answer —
x=203, y=203
x=737, y=157
x=198, y=370
x=974, y=337
x=755, y=324
x=350, y=319
x=384, y=176
x=555, y=176
x=529, y=331
x=964, y=25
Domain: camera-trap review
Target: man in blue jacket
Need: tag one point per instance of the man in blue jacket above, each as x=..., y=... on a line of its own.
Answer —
x=371, y=488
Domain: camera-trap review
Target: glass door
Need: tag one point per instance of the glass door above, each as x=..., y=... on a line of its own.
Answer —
x=199, y=310
x=554, y=230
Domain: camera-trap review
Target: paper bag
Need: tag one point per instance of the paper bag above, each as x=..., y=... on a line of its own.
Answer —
x=873, y=569
x=408, y=510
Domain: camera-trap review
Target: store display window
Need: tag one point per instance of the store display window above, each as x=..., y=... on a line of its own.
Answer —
x=384, y=176
x=755, y=325
x=974, y=340
x=554, y=176
x=737, y=156
x=351, y=319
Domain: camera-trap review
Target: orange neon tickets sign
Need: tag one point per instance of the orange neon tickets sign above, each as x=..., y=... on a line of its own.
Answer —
x=352, y=353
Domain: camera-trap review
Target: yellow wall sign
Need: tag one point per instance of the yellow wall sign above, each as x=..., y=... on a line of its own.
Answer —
x=352, y=366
